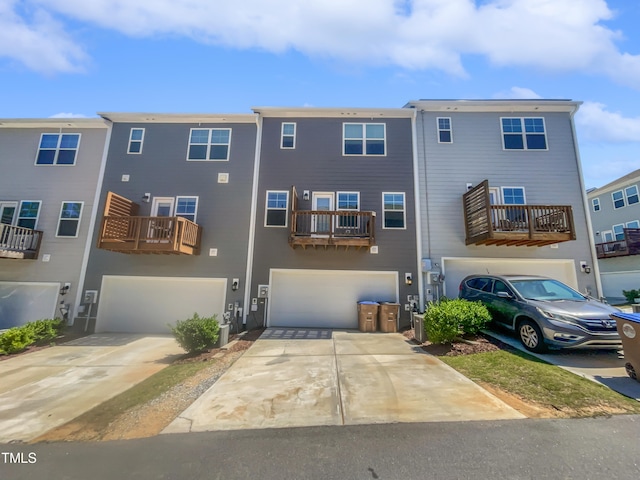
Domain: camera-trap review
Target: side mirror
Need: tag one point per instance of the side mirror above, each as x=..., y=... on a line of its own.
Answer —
x=504, y=295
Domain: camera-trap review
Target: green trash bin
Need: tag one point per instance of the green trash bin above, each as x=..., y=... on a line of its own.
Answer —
x=628, y=326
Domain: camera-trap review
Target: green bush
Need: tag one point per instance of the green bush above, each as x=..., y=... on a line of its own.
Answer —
x=196, y=334
x=631, y=295
x=16, y=339
x=45, y=330
x=448, y=319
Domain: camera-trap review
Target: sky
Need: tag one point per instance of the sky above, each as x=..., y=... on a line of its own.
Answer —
x=73, y=58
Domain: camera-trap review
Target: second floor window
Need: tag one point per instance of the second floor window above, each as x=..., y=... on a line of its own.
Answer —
x=276, y=211
x=69, y=220
x=136, y=137
x=444, y=130
x=393, y=214
x=618, y=199
x=209, y=144
x=187, y=207
x=523, y=134
x=288, y=139
x=595, y=203
x=58, y=149
x=28, y=213
x=513, y=196
x=364, y=139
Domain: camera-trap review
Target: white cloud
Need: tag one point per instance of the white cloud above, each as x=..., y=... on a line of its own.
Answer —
x=559, y=35
x=36, y=40
x=68, y=115
x=518, y=93
x=595, y=124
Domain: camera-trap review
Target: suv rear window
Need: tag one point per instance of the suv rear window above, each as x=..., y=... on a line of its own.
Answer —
x=483, y=284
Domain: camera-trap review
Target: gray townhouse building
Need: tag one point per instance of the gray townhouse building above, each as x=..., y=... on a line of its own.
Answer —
x=172, y=229
x=51, y=169
x=615, y=217
x=501, y=192
x=335, y=218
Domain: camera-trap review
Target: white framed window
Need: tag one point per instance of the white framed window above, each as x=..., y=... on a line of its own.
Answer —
x=595, y=204
x=513, y=196
x=187, y=207
x=607, y=236
x=136, y=139
x=633, y=224
x=209, y=144
x=276, y=208
x=618, y=231
x=288, y=137
x=631, y=194
x=348, y=201
x=523, y=133
x=58, y=149
x=69, y=219
x=28, y=213
x=364, y=139
x=445, y=135
x=393, y=210
x=618, y=199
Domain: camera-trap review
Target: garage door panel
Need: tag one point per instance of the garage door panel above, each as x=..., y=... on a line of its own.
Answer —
x=455, y=269
x=325, y=298
x=148, y=304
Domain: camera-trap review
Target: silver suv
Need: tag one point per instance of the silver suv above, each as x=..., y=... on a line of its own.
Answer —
x=544, y=312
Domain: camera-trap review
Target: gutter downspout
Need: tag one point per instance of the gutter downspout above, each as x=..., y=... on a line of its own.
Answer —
x=252, y=221
x=585, y=202
x=416, y=194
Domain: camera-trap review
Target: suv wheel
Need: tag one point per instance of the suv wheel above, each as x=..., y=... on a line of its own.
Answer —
x=531, y=336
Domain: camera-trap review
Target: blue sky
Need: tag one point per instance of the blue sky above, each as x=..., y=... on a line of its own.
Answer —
x=79, y=57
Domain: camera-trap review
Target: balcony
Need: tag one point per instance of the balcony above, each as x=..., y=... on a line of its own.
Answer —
x=514, y=225
x=630, y=245
x=123, y=231
x=19, y=242
x=337, y=228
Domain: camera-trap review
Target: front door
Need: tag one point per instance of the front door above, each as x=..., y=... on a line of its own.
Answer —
x=321, y=224
x=161, y=228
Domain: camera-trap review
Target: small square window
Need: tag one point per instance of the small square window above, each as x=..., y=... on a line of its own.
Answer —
x=136, y=138
x=69, y=220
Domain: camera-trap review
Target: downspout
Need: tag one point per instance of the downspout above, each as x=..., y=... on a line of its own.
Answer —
x=94, y=216
x=252, y=220
x=585, y=202
x=416, y=194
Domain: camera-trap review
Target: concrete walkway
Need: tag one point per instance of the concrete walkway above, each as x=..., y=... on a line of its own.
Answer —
x=295, y=378
x=44, y=389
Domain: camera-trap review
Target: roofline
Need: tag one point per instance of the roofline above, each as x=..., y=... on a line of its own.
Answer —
x=340, y=112
x=617, y=184
x=178, y=117
x=506, y=105
x=52, y=123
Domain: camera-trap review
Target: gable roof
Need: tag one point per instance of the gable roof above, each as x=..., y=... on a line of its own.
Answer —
x=618, y=183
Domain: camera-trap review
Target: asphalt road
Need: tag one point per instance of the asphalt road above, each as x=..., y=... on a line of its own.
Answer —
x=599, y=448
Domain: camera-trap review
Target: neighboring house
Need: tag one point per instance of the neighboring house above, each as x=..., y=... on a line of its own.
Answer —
x=501, y=192
x=615, y=218
x=335, y=216
x=172, y=232
x=51, y=168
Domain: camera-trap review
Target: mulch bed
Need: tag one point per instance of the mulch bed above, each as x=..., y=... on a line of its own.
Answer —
x=244, y=341
x=463, y=346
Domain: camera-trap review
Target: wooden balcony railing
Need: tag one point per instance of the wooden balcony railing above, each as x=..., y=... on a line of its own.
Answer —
x=124, y=231
x=19, y=242
x=630, y=245
x=514, y=225
x=332, y=228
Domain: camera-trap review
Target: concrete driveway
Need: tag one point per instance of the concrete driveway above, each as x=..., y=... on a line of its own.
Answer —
x=44, y=389
x=296, y=377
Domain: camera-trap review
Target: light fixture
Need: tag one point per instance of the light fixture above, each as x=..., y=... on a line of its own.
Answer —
x=305, y=195
x=146, y=197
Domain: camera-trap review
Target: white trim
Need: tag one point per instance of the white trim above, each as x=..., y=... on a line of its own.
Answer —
x=286, y=209
x=335, y=272
x=209, y=144
x=93, y=218
x=450, y=129
x=345, y=112
x=282, y=135
x=404, y=210
x=524, y=135
x=364, y=139
x=39, y=202
x=497, y=195
x=195, y=214
x=129, y=152
x=252, y=220
x=156, y=200
x=10, y=203
x=507, y=106
x=69, y=219
x=524, y=195
x=595, y=201
x=57, y=150
x=177, y=117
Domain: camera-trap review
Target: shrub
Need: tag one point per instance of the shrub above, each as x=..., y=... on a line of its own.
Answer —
x=16, y=339
x=45, y=330
x=631, y=295
x=196, y=334
x=447, y=319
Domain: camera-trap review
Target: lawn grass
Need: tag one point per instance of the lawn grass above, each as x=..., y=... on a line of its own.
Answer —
x=541, y=383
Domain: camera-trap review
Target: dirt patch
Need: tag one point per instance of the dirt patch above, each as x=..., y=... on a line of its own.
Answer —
x=150, y=418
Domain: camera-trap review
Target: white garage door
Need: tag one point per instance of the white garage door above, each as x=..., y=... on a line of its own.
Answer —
x=613, y=283
x=148, y=304
x=22, y=302
x=455, y=269
x=325, y=298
